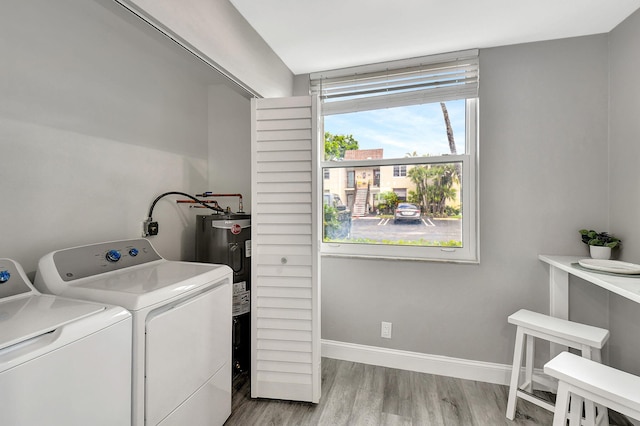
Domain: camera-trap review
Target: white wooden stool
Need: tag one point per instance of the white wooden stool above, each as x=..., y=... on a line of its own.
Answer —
x=582, y=379
x=588, y=339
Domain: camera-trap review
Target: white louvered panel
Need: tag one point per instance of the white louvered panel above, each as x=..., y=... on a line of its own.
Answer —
x=285, y=228
x=283, y=249
x=286, y=282
x=285, y=273
x=283, y=166
x=284, y=187
x=277, y=156
x=280, y=188
x=283, y=198
x=266, y=218
x=284, y=345
x=292, y=260
x=303, y=176
x=287, y=113
x=286, y=367
x=285, y=313
x=283, y=302
x=284, y=270
x=284, y=324
x=293, y=335
x=297, y=292
x=279, y=208
x=292, y=145
x=284, y=356
x=290, y=124
x=281, y=378
x=282, y=135
x=282, y=239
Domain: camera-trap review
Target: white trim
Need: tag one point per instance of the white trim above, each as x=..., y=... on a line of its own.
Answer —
x=422, y=363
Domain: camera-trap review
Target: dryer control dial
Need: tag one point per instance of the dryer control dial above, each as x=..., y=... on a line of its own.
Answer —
x=133, y=252
x=113, y=255
x=4, y=276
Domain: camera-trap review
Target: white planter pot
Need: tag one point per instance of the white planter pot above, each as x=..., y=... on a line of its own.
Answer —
x=600, y=252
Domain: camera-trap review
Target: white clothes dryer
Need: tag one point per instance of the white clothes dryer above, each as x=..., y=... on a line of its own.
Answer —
x=181, y=324
x=62, y=362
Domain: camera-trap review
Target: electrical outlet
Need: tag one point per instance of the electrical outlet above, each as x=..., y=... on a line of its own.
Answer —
x=385, y=330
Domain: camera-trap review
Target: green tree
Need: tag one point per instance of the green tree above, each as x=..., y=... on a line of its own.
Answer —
x=336, y=145
x=388, y=201
x=434, y=186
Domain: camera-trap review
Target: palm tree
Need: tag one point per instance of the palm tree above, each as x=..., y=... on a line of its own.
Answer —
x=419, y=175
x=452, y=142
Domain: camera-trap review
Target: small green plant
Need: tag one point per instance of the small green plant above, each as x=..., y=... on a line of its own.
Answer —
x=603, y=239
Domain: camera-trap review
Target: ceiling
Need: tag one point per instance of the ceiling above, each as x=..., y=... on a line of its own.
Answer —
x=321, y=35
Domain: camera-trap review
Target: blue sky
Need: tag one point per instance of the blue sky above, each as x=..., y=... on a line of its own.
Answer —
x=402, y=130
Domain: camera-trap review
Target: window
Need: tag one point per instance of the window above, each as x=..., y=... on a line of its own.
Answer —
x=399, y=171
x=402, y=132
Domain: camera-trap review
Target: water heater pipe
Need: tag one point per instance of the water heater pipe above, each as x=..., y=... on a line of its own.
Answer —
x=211, y=194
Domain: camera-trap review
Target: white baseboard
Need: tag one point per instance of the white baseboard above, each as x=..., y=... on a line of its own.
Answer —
x=414, y=361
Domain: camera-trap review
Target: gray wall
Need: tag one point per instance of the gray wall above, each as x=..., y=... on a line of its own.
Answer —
x=229, y=146
x=624, y=181
x=99, y=115
x=543, y=129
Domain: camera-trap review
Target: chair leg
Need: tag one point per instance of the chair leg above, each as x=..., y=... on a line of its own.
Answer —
x=528, y=369
x=592, y=410
x=575, y=414
x=515, y=374
x=562, y=406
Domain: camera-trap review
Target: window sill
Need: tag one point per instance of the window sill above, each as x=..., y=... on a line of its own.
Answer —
x=399, y=258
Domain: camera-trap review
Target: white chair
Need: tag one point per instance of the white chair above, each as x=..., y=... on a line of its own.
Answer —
x=582, y=379
x=531, y=325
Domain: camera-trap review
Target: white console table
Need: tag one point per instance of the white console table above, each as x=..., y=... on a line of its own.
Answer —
x=560, y=267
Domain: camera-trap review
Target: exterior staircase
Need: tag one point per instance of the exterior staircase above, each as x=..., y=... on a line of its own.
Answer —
x=360, y=203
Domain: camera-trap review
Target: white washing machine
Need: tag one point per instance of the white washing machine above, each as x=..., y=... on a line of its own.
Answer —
x=62, y=362
x=181, y=324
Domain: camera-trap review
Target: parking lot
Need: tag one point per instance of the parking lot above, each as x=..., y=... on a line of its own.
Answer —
x=376, y=228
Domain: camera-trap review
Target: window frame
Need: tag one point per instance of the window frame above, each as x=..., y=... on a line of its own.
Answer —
x=400, y=170
x=469, y=252
x=431, y=79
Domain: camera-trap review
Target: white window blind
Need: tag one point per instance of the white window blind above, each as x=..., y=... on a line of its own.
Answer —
x=413, y=81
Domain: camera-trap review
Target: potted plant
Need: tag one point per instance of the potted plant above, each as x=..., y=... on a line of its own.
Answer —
x=600, y=243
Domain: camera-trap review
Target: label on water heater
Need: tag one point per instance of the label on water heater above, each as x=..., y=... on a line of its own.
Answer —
x=247, y=248
x=239, y=287
x=241, y=303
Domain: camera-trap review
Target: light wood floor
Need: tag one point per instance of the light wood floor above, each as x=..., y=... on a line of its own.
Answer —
x=358, y=394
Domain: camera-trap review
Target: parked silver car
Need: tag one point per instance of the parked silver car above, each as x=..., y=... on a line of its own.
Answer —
x=406, y=212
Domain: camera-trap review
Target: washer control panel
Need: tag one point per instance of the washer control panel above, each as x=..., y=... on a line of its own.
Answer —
x=12, y=282
x=87, y=261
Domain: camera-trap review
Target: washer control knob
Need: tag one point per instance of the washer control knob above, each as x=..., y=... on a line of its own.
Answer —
x=133, y=252
x=113, y=255
x=4, y=276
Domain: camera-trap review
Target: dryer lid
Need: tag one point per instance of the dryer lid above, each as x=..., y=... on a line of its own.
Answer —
x=27, y=317
x=146, y=285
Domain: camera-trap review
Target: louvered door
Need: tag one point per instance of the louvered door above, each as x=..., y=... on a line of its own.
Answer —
x=285, y=362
